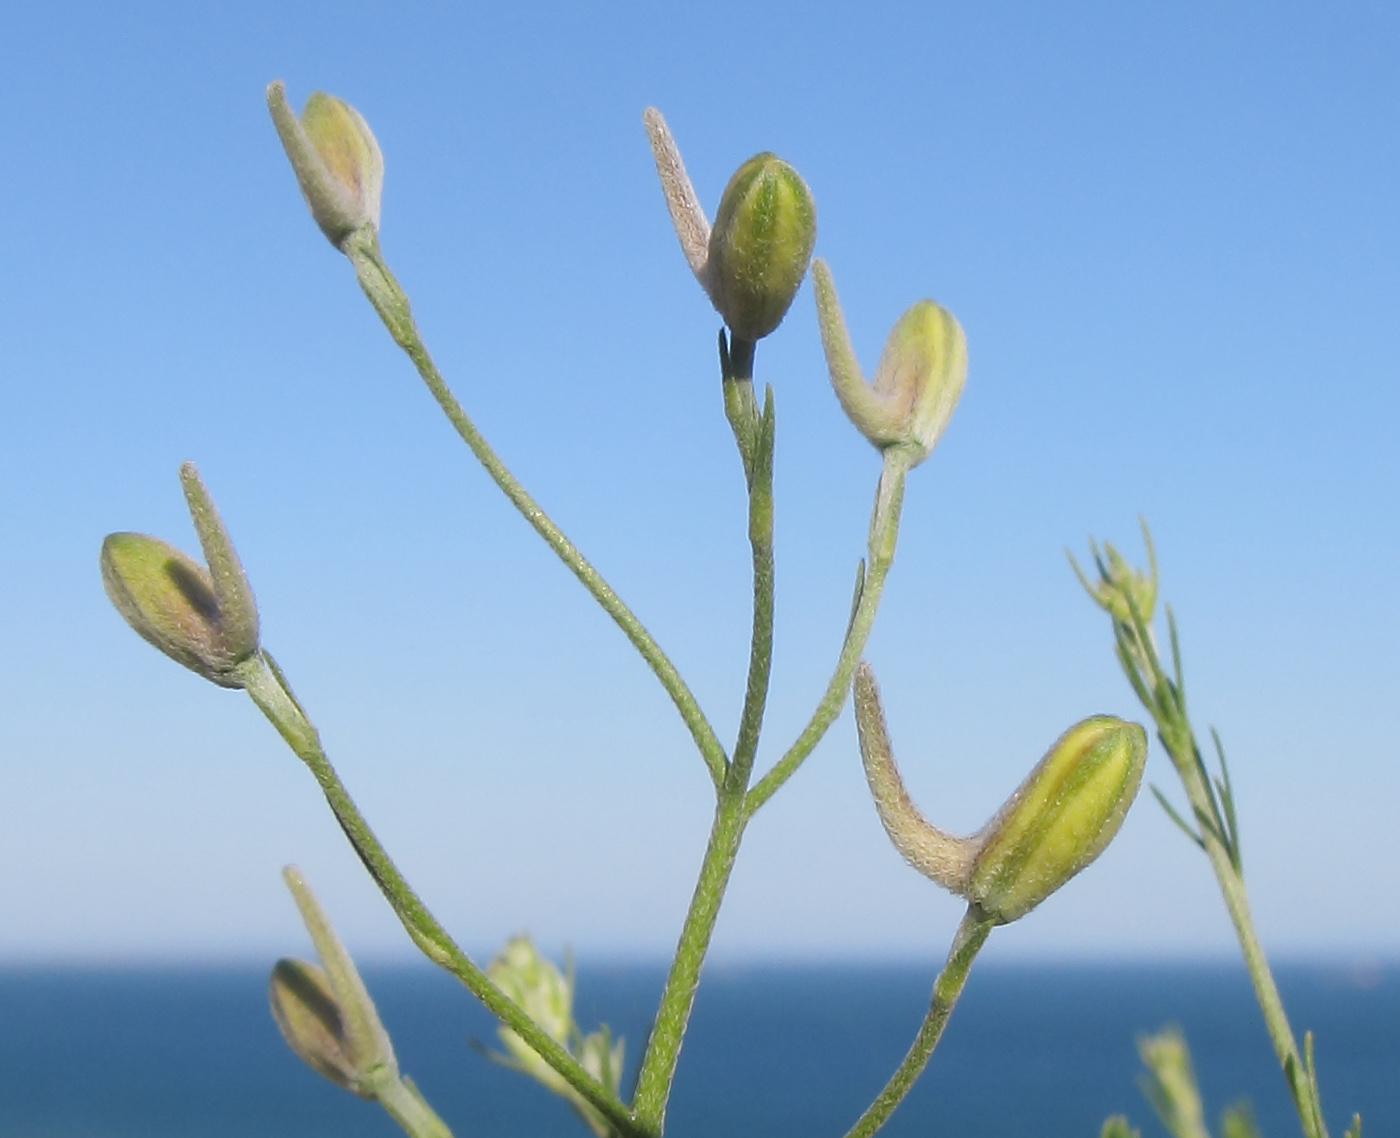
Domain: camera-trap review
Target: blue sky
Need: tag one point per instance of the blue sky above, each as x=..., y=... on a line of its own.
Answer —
x=1169, y=231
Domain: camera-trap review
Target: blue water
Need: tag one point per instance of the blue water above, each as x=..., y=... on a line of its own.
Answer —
x=773, y=1052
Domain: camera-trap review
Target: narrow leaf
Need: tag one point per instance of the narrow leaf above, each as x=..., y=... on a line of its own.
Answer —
x=1175, y=817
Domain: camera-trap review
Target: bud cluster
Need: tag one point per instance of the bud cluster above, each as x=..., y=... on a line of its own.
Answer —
x=546, y=994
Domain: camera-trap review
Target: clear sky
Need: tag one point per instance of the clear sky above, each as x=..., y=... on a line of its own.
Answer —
x=1169, y=230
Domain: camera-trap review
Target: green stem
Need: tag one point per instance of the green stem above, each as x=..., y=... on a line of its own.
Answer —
x=270, y=691
x=678, y=996
x=884, y=533
x=971, y=935
x=390, y=301
x=761, y=643
x=753, y=431
x=1232, y=890
x=406, y=1107
x=1165, y=700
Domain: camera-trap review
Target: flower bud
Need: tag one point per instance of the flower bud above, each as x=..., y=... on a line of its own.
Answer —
x=917, y=383
x=603, y=1059
x=326, y=1014
x=1061, y=818
x=1170, y=1083
x=336, y=159
x=306, y=1011
x=1058, y=821
x=546, y=995
x=205, y=619
x=1122, y=589
x=760, y=245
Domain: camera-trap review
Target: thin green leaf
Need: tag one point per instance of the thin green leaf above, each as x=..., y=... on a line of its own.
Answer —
x=856, y=594
x=1212, y=827
x=1176, y=659
x=1314, y=1097
x=1227, y=797
x=1177, y=818
x=1083, y=580
x=1130, y=669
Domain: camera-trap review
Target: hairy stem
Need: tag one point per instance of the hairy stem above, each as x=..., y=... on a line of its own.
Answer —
x=1165, y=700
x=761, y=642
x=406, y=1107
x=884, y=533
x=967, y=942
x=270, y=691
x=678, y=996
x=1232, y=889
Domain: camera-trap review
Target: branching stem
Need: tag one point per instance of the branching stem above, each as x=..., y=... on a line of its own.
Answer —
x=271, y=692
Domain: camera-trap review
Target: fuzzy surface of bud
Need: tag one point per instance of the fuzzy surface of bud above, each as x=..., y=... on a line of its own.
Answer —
x=203, y=618
x=1061, y=818
x=760, y=246
x=310, y=1020
x=918, y=380
x=325, y=1013
x=337, y=161
x=169, y=599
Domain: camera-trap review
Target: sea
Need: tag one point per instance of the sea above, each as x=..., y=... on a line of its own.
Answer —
x=773, y=1051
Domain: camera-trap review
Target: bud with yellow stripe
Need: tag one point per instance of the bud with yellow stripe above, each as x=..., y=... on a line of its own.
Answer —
x=1060, y=819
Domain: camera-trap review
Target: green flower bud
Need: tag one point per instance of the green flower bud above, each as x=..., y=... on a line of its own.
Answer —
x=1061, y=818
x=1170, y=1083
x=917, y=383
x=326, y=1014
x=205, y=619
x=760, y=245
x=306, y=1011
x=753, y=260
x=1122, y=588
x=603, y=1059
x=336, y=159
x=546, y=995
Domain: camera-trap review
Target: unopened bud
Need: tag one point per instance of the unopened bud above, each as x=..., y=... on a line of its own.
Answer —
x=1121, y=588
x=1170, y=1083
x=917, y=383
x=336, y=159
x=1061, y=818
x=603, y=1059
x=753, y=260
x=760, y=245
x=326, y=1014
x=203, y=618
x=546, y=995
x=306, y=1011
